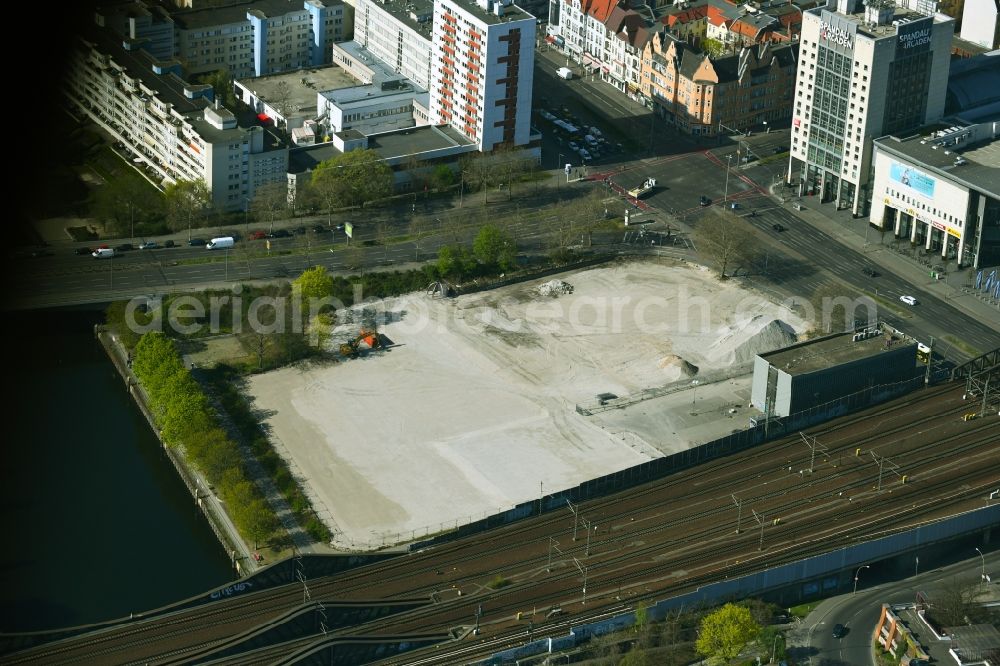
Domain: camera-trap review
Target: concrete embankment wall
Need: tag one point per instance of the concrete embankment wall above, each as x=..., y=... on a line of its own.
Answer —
x=237, y=551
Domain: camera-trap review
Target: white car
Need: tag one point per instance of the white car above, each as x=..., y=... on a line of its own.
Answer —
x=909, y=300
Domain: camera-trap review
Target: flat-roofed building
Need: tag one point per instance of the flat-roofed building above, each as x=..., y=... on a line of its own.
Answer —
x=810, y=374
x=172, y=127
x=941, y=192
x=398, y=33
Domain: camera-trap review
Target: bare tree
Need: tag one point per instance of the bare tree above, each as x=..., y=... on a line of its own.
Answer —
x=269, y=202
x=724, y=239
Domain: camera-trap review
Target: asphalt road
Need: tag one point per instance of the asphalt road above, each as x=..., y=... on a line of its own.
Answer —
x=813, y=644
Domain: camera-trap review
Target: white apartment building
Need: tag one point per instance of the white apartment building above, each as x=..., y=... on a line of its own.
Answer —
x=246, y=38
x=170, y=125
x=942, y=192
x=863, y=72
x=398, y=33
x=483, y=70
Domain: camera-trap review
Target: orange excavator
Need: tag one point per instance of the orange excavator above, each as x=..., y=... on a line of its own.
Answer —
x=367, y=336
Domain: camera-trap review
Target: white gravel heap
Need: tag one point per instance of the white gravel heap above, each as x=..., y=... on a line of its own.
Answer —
x=554, y=288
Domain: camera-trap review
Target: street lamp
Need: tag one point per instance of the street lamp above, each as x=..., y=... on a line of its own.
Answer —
x=982, y=576
x=729, y=165
x=856, y=574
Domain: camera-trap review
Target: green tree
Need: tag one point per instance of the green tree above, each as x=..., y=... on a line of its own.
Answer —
x=314, y=282
x=442, y=177
x=636, y=658
x=222, y=86
x=259, y=520
x=495, y=247
x=455, y=262
x=357, y=177
x=188, y=202
x=726, y=632
x=126, y=203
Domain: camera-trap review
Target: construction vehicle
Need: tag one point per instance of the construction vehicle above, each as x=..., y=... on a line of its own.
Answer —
x=367, y=337
x=642, y=190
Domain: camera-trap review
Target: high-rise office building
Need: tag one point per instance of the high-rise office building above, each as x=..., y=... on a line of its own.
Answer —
x=864, y=72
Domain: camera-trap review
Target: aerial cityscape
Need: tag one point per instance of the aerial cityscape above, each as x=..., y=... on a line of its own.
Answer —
x=426, y=332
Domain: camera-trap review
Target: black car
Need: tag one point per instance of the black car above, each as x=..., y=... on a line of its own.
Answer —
x=299, y=230
x=124, y=247
x=839, y=631
x=83, y=250
x=168, y=243
x=705, y=201
x=319, y=229
x=195, y=242
x=280, y=233
x=870, y=272
x=777, y=227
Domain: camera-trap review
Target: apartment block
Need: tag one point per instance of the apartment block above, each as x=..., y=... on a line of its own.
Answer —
x=698, y=95
x=864, y=72
x=398, y=34
x=250, y=38
x=168, y=124
x=482, y=77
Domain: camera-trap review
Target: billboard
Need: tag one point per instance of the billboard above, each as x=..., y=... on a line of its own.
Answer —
x=913, y=179
x=914, y=37
x=349, y=229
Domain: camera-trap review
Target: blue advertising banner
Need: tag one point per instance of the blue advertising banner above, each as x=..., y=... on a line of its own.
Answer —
x=914, y=179
x=979, y=280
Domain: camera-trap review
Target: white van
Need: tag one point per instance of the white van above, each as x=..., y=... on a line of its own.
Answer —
x=564, y=73
x=103, y=253
x=220, y=243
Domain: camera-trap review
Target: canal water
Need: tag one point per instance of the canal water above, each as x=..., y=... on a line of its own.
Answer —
x=96, y=522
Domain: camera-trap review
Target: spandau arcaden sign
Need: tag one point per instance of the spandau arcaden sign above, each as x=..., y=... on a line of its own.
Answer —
x=836, y=34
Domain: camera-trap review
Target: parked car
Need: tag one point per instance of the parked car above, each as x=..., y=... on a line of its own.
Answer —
x=124, y=247
x=299, y=230
x=909, y=300
x=197, y=242
x=839, y=631
x=280, y=233
x=734, y=205
x=83, y=250
x=257, y=235
x=168, y=243
x=777, y=227
x=319, y=229
x=870, y=272
x=149, y=245
x=704, y=201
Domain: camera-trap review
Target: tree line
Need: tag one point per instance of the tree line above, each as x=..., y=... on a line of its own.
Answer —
x=185, y=419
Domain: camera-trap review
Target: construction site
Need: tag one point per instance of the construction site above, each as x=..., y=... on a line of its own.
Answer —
x=456, y=409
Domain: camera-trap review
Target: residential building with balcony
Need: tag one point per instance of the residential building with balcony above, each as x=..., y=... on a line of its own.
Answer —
x=173, y=128
x=481, y=83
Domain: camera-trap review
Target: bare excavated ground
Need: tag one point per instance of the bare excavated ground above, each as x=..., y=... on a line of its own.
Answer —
x=472, y=407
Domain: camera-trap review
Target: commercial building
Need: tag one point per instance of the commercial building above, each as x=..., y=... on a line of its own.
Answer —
x=809, y=374
x=863, y=72
x=981, y=23
x=482, y=78
x=249, y=38
x=694, y=93
x=172, y=127
x=941, y=192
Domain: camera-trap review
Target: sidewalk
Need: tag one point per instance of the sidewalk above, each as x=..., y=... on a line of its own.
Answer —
x=852, y=233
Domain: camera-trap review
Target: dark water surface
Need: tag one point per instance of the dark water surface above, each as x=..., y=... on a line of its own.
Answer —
x=96, y=523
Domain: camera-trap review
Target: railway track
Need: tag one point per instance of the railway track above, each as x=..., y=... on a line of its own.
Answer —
x=681, y=515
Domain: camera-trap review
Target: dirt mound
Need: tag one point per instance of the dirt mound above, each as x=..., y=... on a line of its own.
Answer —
x=673, y=361
x=773, y=335
x=555, y=288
